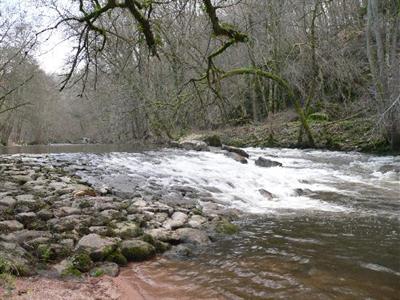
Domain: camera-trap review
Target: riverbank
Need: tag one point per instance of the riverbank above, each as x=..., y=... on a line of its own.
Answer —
x=54, y=224
x=282, y=129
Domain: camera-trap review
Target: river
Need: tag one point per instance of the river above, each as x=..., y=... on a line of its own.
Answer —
x=331, y=230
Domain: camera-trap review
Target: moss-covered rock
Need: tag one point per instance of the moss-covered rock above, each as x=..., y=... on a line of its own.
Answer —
x=117, y=258
x=213, y=140
x=81, y=261
x=137, y=250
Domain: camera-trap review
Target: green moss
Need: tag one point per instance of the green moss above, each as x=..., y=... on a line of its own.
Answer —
x=213, y=140
x=81, y=261
x=160, y=246
x=96, y=272
x=226, y=227
x=71, y=271
x=45, y=253
x=117, y=257
x=138, y=251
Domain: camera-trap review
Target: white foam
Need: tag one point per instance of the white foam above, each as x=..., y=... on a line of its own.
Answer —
x=239, y=183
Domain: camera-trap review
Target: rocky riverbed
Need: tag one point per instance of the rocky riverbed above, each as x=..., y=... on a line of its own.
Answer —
x=54, y=223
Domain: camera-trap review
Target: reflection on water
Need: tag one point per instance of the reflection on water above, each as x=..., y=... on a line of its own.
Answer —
x=302, y=257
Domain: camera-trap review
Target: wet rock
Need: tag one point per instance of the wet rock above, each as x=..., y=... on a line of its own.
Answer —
x=213, y=141
x=105, y=268
x=63, y=224
x=126, y=230
x=163, y=235
x=178, y=219
x=267, y=163
x=238, y=151
x=98, y=247
x=236, y=157
x=137, y=250
x=266, y=194
x=8, y=202
x=302, y=192
x=45, y=214
x=196, y=221
x=10, y=226
x=179, y=251
x=21, y=180
x=14, y=259
x=26, y=218
x=193, y=145
x=389, y=168
x=26, y=199
x=192, y=236
x=101, y=230
x=67, y=211
x=111, y=214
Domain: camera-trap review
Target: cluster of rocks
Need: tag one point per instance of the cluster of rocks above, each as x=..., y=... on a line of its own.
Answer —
x=213, y=143
x=53, y=221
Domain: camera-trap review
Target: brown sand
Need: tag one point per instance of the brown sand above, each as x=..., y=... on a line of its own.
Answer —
x=133, y=283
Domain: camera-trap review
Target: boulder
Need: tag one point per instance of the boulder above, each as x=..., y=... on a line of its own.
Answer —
x=98, y=247
x=389, y=168
x=266, y=194
x=8, y=202
x=105, y=268
x=236, y=157
x=163, y=235
x=195, y=145
x=137, y=250
x=26, y=218
x=267, y=163
x=14, y=259
x=196, y=221
x=126, y=230
x=192, y=236
x=213, y=141
x=178, y=219
x=239, y=151
x=10, y=226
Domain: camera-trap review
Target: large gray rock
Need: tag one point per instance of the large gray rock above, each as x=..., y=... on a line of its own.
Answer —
x=236, y=157
x=196, y=221
x=26, y=218
x=178, y=219
x=239, y=151
x=10, y=226
x=98, y=247
x=15, y=259
x=105, y=268
x=67, y=211
x=8, y=202
x=267, y=163
x=126, y=230
x=163, y=235
x=192, y=236
x=266, y=194
x=194, y=145
x=137, y=250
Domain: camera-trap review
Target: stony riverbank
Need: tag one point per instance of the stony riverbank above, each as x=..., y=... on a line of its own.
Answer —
x=53, y=223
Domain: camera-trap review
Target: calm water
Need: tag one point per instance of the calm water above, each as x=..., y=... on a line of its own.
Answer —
x=332, y=230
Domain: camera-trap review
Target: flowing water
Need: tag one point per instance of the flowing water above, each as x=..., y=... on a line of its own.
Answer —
x=331, y=230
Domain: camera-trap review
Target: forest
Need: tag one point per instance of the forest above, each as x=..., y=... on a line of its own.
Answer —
x=165, y=68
